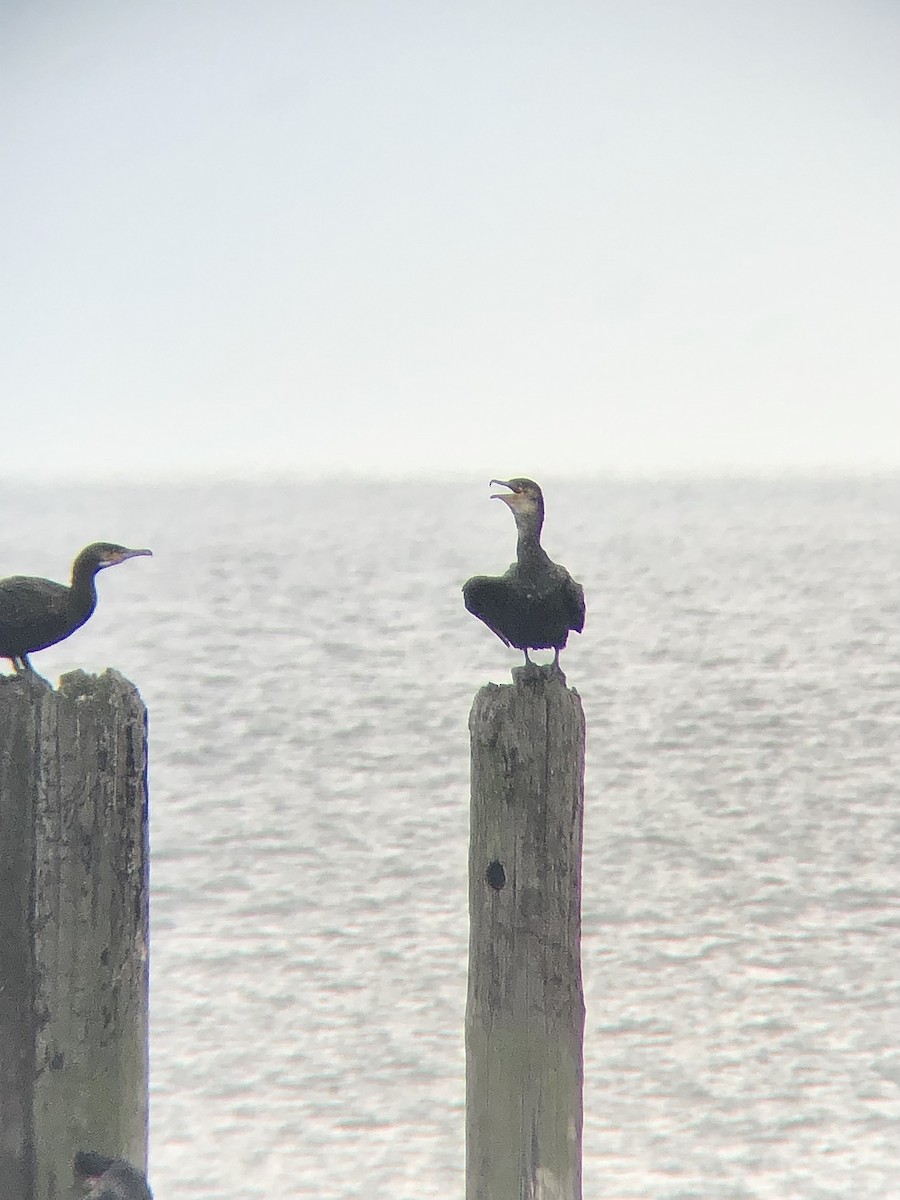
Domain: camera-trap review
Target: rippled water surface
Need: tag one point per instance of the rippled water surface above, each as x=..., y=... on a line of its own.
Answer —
x=308, y=667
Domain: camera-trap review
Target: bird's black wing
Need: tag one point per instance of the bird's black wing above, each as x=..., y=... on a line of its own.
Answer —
x=487, y=597
x=574, y=594
x=566, y=596
x=25, y=599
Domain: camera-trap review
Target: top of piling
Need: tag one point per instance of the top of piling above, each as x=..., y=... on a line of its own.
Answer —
x=73, y=685
x=535, y=677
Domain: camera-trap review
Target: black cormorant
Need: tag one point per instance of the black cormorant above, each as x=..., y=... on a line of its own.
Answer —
x=536, y=603
x=36, y=613
x=105, y=1178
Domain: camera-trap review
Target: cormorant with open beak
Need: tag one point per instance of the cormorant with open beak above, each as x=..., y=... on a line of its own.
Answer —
x=536, y=602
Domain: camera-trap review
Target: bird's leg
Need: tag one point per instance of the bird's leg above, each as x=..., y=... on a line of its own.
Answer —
x=22, y=665
x=555, y=671
x=529, y=671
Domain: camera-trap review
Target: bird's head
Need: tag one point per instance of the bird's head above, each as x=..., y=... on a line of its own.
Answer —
x=98, y=555
x=524, y=498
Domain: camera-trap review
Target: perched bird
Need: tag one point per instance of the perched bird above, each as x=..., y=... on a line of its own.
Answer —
x=103, y=1178
x=536, y=603
x=36, y=613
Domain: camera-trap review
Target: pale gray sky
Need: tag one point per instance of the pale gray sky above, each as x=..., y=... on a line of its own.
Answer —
x=396, y=236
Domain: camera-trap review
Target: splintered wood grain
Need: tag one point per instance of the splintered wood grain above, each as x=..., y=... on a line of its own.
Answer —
x=525, y=1011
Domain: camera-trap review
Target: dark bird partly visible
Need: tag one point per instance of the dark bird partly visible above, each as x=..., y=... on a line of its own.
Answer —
x=537, y=602
x=103, y=1178
x=36, y=613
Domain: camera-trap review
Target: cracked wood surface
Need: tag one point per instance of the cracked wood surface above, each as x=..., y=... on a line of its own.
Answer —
x=73, y=928
x=525, y=1010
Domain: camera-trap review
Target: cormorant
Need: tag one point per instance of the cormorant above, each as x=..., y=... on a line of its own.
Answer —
x=36, y=613
x=536, y=603
x=104, y=1178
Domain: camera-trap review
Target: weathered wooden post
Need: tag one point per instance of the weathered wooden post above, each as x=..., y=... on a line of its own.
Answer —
x=73, y=928
x=525, y=1011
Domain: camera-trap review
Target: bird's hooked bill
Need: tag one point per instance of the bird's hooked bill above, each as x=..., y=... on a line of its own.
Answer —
x=118, y=554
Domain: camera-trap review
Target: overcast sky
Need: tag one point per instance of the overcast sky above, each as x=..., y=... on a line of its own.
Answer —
x=401, y=237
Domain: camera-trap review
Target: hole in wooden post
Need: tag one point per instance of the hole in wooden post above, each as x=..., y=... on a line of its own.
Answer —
x=496, y=876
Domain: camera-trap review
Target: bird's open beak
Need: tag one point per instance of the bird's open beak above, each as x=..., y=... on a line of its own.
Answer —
x=500, y=495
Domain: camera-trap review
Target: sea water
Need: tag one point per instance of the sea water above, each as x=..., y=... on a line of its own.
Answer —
x=308, y=666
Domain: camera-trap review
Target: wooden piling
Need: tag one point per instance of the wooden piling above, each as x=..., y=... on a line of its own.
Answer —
x=73, y=928
x=525, y=1010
